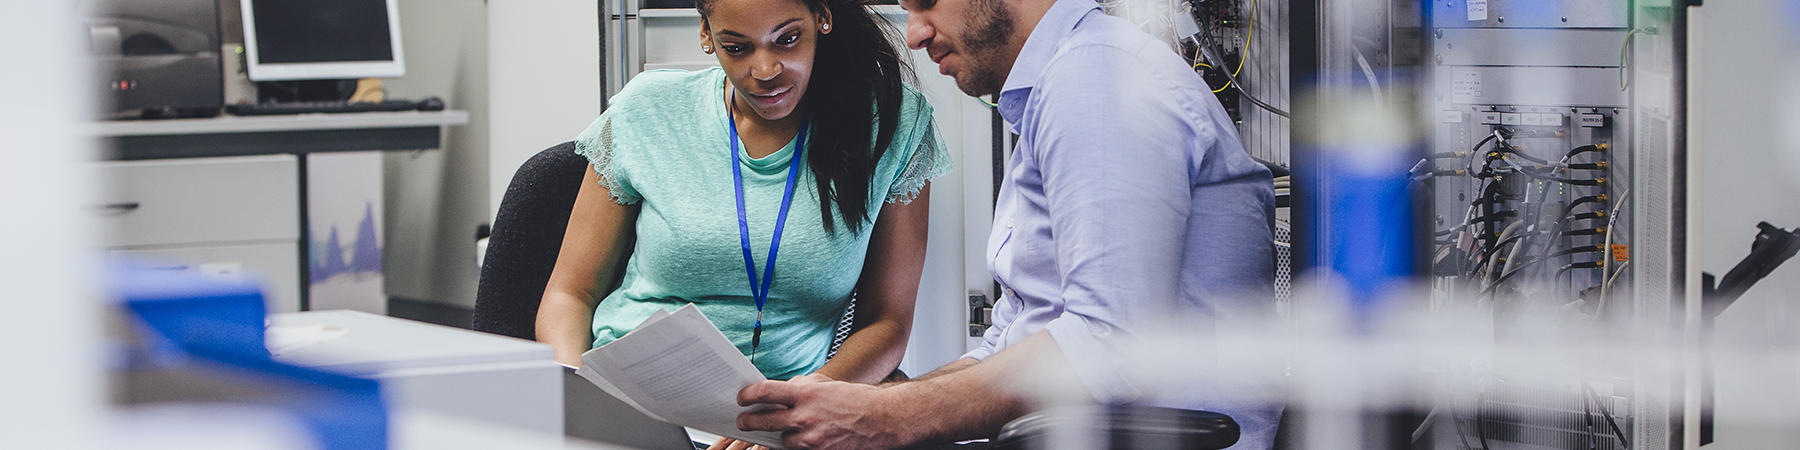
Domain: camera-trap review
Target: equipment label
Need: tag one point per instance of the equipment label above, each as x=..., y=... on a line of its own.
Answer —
x=1593, y=120
x=1465, y=86
x=1621, y=253
x=1477, y=9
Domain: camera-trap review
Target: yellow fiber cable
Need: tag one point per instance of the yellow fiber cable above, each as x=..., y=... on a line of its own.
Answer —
x=1246, y=56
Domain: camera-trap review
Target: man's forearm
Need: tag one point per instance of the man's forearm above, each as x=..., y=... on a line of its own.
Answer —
x=947, y=369
x=965, y=400
x=970, y=399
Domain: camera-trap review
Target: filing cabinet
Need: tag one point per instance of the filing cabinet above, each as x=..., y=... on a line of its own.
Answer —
x=227, y=216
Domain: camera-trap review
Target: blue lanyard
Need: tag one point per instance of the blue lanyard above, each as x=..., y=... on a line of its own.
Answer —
x=761, y=293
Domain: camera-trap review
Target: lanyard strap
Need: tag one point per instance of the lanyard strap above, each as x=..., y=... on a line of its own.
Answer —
x=761, y=293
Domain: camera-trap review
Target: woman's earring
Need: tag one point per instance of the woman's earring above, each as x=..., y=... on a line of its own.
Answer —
x=825, y=28
x=706, y=48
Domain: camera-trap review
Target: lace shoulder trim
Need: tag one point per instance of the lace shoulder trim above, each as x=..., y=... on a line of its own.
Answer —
x=596, y=143
x=929, y=159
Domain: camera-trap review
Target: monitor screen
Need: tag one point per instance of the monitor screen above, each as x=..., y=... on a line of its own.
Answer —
x=321, y=39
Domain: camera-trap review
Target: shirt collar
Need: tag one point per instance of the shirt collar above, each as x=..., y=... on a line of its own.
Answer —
x=1040, y=46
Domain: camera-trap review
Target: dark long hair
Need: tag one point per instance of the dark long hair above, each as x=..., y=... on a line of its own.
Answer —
x=856, y=65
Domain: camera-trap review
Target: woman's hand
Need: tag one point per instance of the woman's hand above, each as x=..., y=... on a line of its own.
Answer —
x=726, y=443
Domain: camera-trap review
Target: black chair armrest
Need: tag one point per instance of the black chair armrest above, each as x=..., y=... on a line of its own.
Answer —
x=1127, y=427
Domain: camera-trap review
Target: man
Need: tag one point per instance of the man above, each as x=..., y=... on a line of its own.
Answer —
x=1128, y=199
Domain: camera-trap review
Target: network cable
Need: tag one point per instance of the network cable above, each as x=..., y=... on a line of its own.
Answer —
x=1589, y=215
x=1498, y=258
x=1556, y=231
x=1507, y=147
x=1601, y=147
x=1607, y=261
x=1205, y=44
x=1597, y=181
x=1587, y=232
x=1607, y=413
x=1582, y=249
x=1232, y=79
x=1608, y=286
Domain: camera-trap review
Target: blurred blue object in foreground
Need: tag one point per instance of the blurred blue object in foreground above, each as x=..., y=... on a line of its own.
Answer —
x=1370, y=239
x=1362, y=213
x=200, y=339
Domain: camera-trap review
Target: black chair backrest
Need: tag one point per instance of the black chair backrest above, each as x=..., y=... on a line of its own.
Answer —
x=527, y=235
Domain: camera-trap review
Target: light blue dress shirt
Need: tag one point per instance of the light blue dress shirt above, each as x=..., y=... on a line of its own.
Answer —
x=1128, y=200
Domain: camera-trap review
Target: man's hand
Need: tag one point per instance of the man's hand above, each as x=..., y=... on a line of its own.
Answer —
x=823, y=415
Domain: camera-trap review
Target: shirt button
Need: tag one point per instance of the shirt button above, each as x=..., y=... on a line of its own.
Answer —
x=1010, y=293
x=1009, y=222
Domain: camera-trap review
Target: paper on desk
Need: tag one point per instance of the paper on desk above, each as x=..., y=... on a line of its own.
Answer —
x=679, y=369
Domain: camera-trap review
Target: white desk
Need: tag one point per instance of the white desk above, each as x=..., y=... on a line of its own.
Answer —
x=477, y=375
x=229, y=193
x=225, y=426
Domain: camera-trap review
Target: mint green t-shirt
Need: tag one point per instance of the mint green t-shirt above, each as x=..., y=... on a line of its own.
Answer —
x=663, y=145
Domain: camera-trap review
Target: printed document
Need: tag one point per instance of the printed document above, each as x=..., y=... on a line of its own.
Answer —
x=679, y=368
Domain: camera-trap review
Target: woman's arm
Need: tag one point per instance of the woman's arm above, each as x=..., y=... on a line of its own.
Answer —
x=599, y=237
x=885, y=294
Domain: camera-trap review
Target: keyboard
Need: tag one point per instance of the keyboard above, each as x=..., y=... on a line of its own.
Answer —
x=341, y=106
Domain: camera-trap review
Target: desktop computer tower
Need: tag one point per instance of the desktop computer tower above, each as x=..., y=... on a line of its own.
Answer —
x=156, y=58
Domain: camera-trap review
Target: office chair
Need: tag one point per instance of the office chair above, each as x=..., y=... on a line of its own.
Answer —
x=526, y=238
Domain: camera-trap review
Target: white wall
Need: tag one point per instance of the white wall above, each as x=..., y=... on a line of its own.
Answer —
x=1746, y=106
x=436, y=198
x=51, y=392
x=544, y=74
x=962, y=208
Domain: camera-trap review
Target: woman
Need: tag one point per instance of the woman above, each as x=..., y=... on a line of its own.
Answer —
x=811, y=91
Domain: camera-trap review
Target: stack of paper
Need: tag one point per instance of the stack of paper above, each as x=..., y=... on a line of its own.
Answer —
x=679, y=368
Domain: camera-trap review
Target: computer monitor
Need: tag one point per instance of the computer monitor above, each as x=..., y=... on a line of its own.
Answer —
x=322, y=39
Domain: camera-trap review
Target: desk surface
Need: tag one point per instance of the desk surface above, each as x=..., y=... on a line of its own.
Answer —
x=371, y=344
x=267, y=135
x=294, y=122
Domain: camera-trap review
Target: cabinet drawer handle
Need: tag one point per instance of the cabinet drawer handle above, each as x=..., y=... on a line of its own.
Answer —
x=118, y=208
